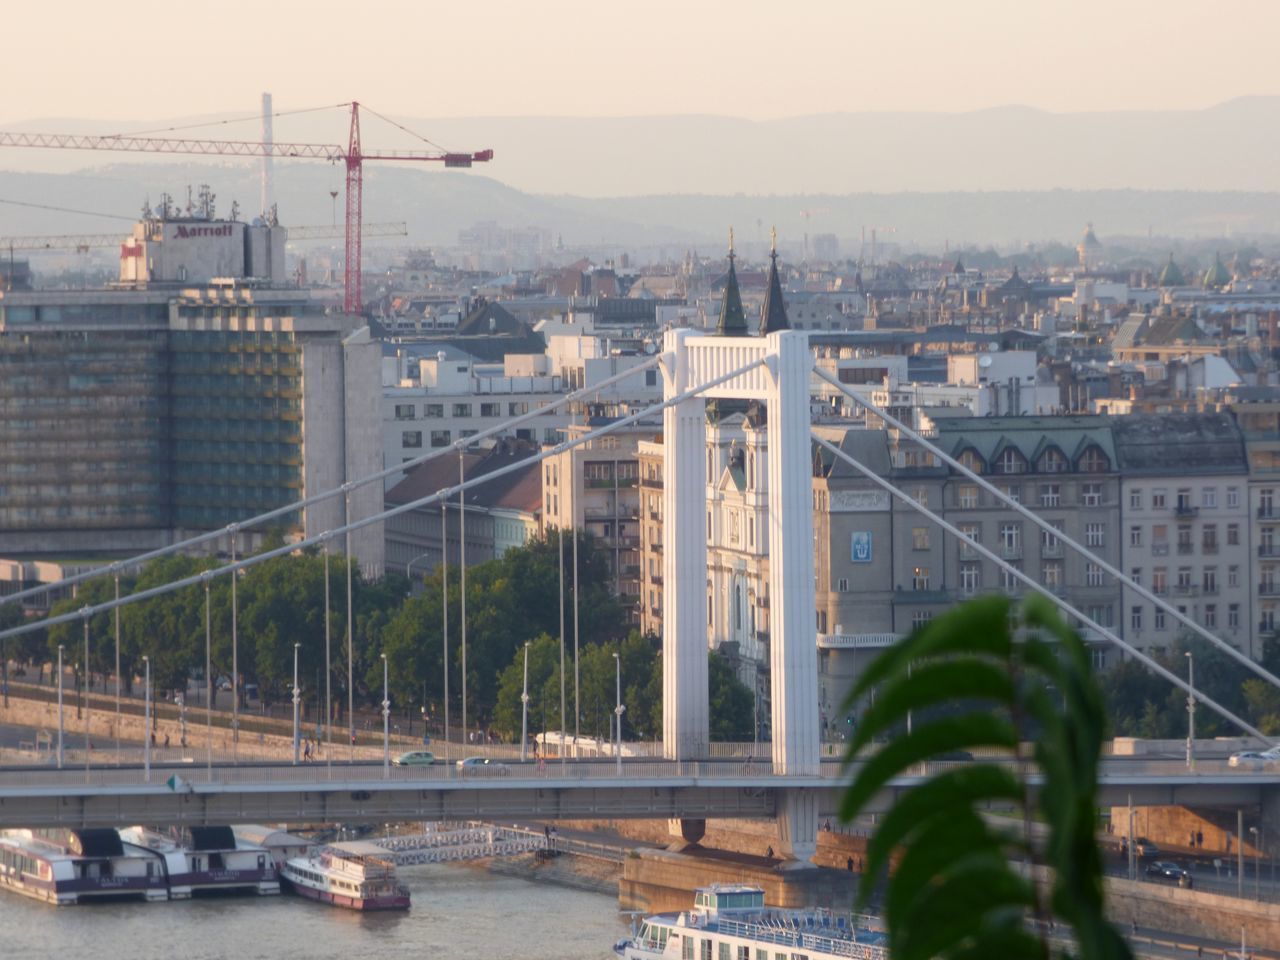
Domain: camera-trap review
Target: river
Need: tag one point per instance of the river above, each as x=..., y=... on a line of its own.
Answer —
x=458, y=913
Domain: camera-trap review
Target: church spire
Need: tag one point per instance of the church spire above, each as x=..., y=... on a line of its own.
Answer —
x=733, y=322
x=774, y=315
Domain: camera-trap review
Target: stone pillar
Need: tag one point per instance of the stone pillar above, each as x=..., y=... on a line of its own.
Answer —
x=793, y=640
x=797, y=827
x=685, y=725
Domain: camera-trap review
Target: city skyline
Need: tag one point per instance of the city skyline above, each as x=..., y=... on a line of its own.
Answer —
x=571, y=59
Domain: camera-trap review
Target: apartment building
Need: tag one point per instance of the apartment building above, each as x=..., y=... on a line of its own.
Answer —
x=1184, y=526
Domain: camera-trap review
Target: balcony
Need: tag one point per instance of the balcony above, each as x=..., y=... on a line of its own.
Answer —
x=1269, y=550
x=1269, y=588
x=1160, y=549
x=1009, y=552
x=1185, y=590
x=857, y=641
x=1051, y=551
x=1186, y=549
x=1268, y=511
x=1185, y=510
x=1209, y=548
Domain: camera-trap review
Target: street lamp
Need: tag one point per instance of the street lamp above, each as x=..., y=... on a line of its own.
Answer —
x=1191, y=711
x=146, y=722
x=386, y=722
x=524, y=706
x=1257, y=862
x=408, y=566
x=60, y=721
x=87, y=702
x=617, y=662
x=297, y=699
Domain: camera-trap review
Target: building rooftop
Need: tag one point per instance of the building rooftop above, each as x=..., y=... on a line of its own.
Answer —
x=1179, y=443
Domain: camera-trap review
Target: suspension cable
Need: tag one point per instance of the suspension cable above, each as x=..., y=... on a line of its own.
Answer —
x=1083, y=551
x=353, y=525
x=1039, y=588
x=458, y=445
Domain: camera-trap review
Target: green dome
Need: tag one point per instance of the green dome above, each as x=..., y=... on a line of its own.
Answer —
x=1171, y=276
x=1217, y=275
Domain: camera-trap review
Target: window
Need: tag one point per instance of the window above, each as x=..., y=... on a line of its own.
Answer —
x=1233, y=534
x=441, y=438
x=1184, y=499
x=433, y=410
x=1211, y=615
x=919, y=578
x=1052, y=461
x=1135, y=536
x=970, y=578
x=1135, y=619
x=1050, y=545
x=490, y=409
x=1136, y=575
x=1009, y=580
x=1160, y=581
x=919, y=538
x=1094, y=461
x=1092, y=575
x=1266, y=502
x=517, y=408
x=411, y=438
x=974, y=533
x=842, y=585
x=1209, y=538
x=725, y=952
x=921, y=496
x=462, y=409
x=1050, y=494
x=1233, y=616
x=1135, y=499
x=1233, y=497
x=1209, y=580
x=1183, y=584
x=1158, y=617
x=1209, y=497
x=1184, y=538
x=406, y=411
x=1051, y=574
x=1010, y=461
x=1010, y=540
x=1093, y=534
x=970, y=460
x=1157, y=499
x=1233, y=576
x=920, y=618
x=1012, y=492
x=968, y=495
x=1091, y=494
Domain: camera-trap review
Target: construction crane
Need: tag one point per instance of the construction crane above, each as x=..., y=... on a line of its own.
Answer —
x=352, y=156
x=83, y=242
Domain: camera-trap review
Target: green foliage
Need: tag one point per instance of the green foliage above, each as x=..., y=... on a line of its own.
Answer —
x=731, y=704
x=955, y=892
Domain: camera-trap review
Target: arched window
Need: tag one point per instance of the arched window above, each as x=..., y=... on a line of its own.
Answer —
x=970, y=460
x=1011, y=461
x=1093, y=460
x=1053, y=461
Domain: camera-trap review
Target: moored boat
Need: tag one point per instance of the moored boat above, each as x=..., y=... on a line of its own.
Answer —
x=351, y=878
x=202, y=860
x=732, y=920
x=70, y=866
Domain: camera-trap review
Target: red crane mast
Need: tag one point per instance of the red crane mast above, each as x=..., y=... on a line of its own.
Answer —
x=353, y=157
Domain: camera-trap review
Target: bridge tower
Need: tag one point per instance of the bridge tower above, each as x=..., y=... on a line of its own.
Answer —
x=782, y=384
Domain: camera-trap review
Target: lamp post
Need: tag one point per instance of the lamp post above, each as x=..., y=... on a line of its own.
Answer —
x=409, y=566
x=297, y=699
x=208, y=681
x=233, y=529
x=146, y=717
x=462, y=580
x=351, y=637
x=328, y=669
x=1191, y=711
x=115, y=569
x=1257, y=862
x=386, y=722
x=617, y=662
x=87, y=703
x=444, y=611
x=524, y=706
x=60, y=720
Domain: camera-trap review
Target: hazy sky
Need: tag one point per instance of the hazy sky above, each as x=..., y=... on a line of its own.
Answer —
x=448, y=58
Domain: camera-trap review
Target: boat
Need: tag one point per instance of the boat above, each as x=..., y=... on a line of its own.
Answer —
x=70, y=866
x=202, y=860
x=353, y=878
x=731, y=920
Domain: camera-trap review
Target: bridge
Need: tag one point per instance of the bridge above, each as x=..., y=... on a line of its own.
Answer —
x=578, y=789
x=795, y=785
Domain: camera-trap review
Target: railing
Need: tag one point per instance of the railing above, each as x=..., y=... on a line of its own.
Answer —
x=1268, y=511
x=1269, y=550
x=1186, y=510
x=1160, y=549
x=1269, y=589
x=1186, y=549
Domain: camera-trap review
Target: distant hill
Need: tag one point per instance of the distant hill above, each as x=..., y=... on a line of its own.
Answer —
x=1231, y=146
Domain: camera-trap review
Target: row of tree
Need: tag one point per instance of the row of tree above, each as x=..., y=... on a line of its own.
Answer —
x=281, y=602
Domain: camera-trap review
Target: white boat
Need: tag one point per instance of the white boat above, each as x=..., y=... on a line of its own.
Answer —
x=731, y=920
x=346, y=878
x=202, y=860
x=70, y=866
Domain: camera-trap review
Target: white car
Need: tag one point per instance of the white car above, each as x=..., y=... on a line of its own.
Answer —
x=1255, y=759
x=481, y=767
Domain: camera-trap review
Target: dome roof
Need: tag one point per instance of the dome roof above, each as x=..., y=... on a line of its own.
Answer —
x=1217, y=275
x=1171, y=276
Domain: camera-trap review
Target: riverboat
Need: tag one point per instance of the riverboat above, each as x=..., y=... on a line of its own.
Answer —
x=344, y=878
x=732, y=920
x=209, y=860
x=70, y=866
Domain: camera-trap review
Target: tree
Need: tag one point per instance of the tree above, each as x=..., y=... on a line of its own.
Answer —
x=955, y=892
x=732, y=704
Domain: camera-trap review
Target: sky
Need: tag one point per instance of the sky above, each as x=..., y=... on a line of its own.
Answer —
x=752, y=59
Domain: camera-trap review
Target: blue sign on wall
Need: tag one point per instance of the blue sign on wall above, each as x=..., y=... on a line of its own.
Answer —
x=860, y=546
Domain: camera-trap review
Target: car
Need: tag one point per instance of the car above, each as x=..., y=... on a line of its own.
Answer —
x=415, y=758
x=481, y=766
x=1146, y=848
x=1247, y=759
x=1166, y=870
